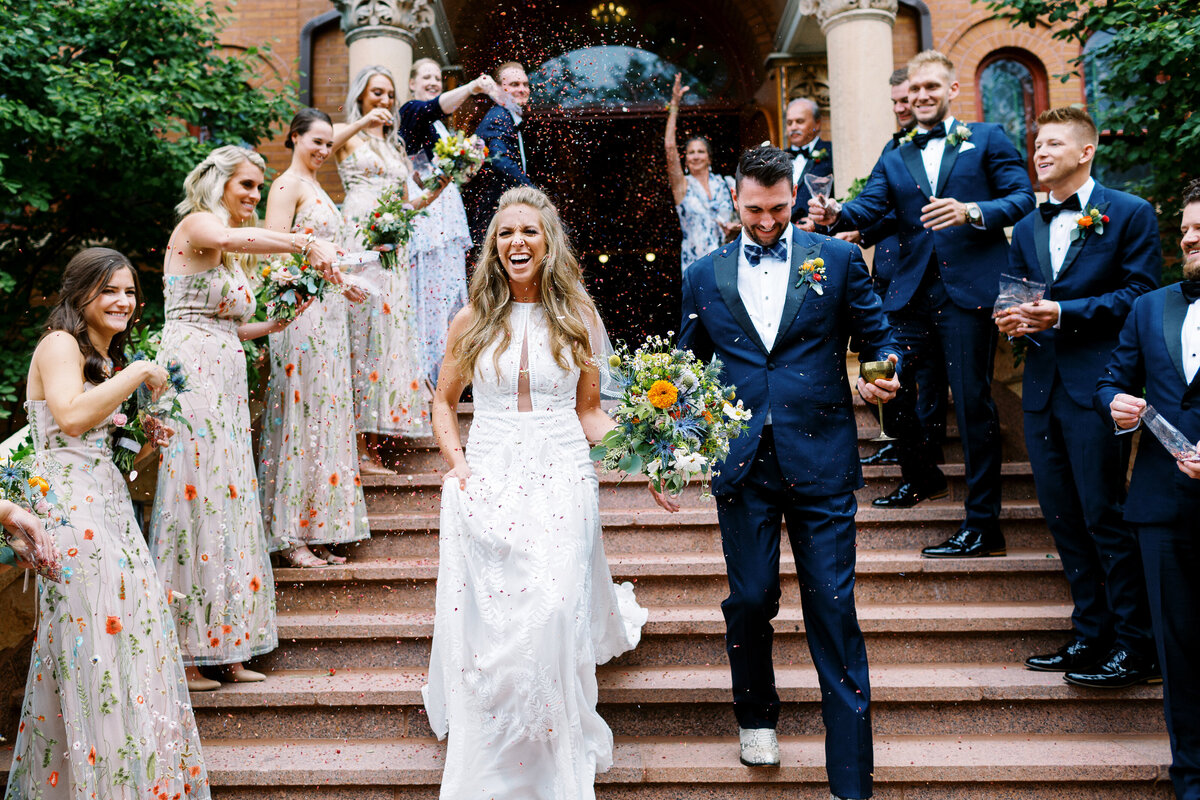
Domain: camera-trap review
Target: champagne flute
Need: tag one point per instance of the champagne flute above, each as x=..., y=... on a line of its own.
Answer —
x=871, y=371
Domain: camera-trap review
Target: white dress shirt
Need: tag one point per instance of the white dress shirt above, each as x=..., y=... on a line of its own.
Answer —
x=516, y=118
x=1191, y=340
x=1062, y=225
x=763, y=290
x=800, y=160
x=931, y=156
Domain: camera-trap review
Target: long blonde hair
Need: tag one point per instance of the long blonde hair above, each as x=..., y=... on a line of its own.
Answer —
x=354, y=106
x=204, y=190
x=568, y=307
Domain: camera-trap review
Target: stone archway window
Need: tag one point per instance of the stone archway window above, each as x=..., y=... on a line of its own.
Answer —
x=1011, y=90
x=613, y=76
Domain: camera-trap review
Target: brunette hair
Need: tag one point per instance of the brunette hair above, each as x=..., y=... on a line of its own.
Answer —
x=703, y=140
x=304, y=119
x=1192, y=193
x=898, y=77
x=84, y=278
x=766, y=165
x=507, y=65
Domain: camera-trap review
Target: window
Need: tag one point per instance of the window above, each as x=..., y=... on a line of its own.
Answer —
x=1012, y=92
x=1102, y=107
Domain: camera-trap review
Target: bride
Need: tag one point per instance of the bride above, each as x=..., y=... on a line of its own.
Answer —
x=526, y=606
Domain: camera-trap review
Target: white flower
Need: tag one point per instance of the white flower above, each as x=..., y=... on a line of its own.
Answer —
x=388, y=217
x=654, y=467
x=691, y=463
x=736, y=413
x=284, y=276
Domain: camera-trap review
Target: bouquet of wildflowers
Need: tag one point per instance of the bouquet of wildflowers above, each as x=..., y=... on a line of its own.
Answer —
x=142, y=418
x=390, y=227
x=675, y=417
x=23, y=484
x=288, y=281
x=457, y=156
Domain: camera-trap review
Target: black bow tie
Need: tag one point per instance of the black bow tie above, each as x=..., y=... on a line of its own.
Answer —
x=1050, y=209
x=922, y=139
x=1191, y=290
x=796, y=151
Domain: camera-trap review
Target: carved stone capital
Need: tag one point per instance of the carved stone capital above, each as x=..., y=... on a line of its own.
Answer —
x=834, y=12
x=395, y=18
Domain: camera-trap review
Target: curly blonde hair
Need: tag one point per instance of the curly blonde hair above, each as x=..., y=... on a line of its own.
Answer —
x=568, y=307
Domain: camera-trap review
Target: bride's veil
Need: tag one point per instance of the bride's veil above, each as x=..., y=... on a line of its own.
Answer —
x=601, y=350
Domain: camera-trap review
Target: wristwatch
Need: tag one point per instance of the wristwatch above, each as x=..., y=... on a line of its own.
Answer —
x=974, y=215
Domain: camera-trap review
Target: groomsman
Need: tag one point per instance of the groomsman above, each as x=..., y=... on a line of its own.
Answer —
x=1159, y=353
x=778, y=305
x=810, y=154
x=1097, y=250
x=506, y=166
x=954, y=188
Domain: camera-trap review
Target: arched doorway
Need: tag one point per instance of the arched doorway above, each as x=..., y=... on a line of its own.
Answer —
x=601, y=75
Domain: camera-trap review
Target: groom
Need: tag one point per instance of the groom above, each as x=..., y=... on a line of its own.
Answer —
x=778, y=306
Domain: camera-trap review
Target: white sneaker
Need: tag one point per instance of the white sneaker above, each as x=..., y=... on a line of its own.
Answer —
x=760, y=747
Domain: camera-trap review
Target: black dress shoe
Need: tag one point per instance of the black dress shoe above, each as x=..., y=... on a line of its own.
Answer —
x=888, y=454
x=908, y=495
x=1120, y=669
x=968, y=543
x=1079, y=655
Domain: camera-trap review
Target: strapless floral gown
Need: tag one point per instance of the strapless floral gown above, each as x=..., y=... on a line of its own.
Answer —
x=106, y=711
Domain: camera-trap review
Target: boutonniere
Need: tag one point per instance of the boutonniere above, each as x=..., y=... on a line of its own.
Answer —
x=812, y=272
x=908, y=137
x=819, y=155
x=960, y=134
x=1093, y=220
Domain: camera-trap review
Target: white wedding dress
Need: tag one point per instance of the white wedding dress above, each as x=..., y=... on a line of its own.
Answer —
x=526, y=606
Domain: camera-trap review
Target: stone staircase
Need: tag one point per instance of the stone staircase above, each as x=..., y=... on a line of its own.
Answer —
x=955, y=714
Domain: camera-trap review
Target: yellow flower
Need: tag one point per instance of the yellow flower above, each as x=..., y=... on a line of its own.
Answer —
x=614, y=361
x=818, y=262
x=662, y=394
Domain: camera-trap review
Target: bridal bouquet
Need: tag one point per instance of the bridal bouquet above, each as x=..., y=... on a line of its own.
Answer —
x=142, y=418
x=22, y=484
x=389, y=227
x=458, y=157
x=287, y=282
x=675, y=418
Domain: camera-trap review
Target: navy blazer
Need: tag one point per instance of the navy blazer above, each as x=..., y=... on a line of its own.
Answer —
x=882, y=236
x=1101, y=276
x=502, y=171
x=819, y=168
x=802, y=379
x=986, y=170
x=1150, y=356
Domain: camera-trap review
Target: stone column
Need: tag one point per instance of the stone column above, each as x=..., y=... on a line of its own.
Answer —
x=858, y=42
x=383, y=32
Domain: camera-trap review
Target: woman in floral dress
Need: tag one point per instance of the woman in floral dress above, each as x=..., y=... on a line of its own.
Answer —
x=106, y=712
x=206, y=531
x=389, y=393
x=308, y=466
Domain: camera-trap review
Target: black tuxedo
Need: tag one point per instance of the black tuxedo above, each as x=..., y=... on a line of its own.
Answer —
x=803, y=468
x=1078, y=465
x=502, y=171
x=819, y=162
x=1164, y=505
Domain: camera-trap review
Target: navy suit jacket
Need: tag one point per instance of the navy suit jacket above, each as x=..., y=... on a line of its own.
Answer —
x=986, y=170
x=819, y=168
x=503, y=168
x=1150, y=356
x=883, y=237
x=802, y=378
x=1101, y=276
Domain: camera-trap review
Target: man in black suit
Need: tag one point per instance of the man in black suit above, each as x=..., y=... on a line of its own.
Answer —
x=810, y=154
x=1093, y=274
x=1159, y=352
x=506, y=166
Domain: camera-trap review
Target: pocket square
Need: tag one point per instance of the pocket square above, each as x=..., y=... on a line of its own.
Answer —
x=965, y=146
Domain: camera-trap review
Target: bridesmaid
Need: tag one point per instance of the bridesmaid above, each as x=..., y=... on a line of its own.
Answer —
x=442, y=238
x=106, y=711
x=307, y=468
x=388, y=393
x=206, y=529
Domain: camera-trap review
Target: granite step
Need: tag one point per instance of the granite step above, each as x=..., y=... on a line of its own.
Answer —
x=695, y=635
x=696, y=578
x=1033, y=767
x=694, y=529
x=964, y=699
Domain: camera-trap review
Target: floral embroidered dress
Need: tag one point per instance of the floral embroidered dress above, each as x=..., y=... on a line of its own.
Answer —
x=385, y=368
x=106, y=712
x=206, y=532
x=439, y=280
x=526, y=607
x=308, y=458
x=699, y=214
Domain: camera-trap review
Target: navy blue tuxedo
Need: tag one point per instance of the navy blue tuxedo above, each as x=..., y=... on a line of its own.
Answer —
x=803, y=468
x=819, y=167
x=1078, y=465
x=940, y=294
x=502, y=171
x=1164, y=505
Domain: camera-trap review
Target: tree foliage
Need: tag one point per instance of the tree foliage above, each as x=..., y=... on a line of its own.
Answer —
x=100, y=103
x=1147, y=63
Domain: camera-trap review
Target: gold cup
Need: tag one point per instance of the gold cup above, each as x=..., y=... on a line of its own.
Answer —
x=871, y=371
